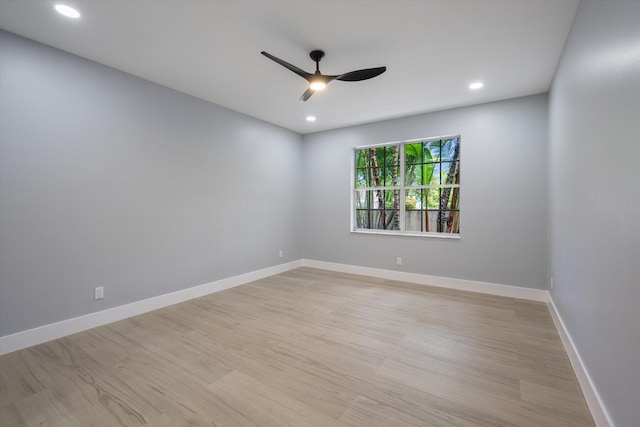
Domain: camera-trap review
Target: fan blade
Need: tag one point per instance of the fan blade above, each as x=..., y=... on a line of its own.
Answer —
x=306, y=95
x=356, y=76
x=285, y=64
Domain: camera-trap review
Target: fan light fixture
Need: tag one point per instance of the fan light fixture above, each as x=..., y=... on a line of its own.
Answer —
x=317, y=85
x=67, y=11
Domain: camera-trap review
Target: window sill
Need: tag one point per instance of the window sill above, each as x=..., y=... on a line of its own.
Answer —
x=408, y=234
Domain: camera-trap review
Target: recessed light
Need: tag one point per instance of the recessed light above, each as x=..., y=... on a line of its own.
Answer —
x=476, y=85
x=67, y=11
x=311, y=118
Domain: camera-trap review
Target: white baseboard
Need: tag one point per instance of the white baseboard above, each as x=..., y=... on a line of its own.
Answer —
x=598, y=410
x=24, y=339
x=442, y=282
x=28, y=338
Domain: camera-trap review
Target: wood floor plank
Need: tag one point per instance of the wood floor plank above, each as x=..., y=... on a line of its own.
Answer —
x=564, y=402
x=9, y=415
x=264, y=405
x=305, y=348
x=323, y=395
x=45, y=409
x=17, y=381
x=367, y=412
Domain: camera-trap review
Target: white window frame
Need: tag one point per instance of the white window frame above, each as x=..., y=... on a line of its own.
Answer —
x=402, y=189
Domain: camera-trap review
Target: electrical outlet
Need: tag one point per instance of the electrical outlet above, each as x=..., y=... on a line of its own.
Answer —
x=399, y=261
x=99, y=292
x=281, y=253
x=551, y=283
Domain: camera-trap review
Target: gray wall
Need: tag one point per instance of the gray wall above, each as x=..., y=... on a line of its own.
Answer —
x=107, y=179
x=595, y=205
x=503, y=196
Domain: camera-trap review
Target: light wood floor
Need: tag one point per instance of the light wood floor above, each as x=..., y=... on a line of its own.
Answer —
x=305, y=348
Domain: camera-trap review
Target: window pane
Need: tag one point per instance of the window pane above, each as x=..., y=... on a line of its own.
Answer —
x=414, y=197
x=414, y=220
x=384, y=199
x=450, y=198
x=449, y=174
x=375, y=179
x=377, y=166
x=385, y=219
x=432, y=196
x=362, y=219
x=363, y=178
x=377, y=157
x=392, y=155
x=376, y=199
x=391, y=176
x=413, y=200
x=445, y=168
x=362, y=199
x=436, y=176
x=449, y=150
x=391, y=199
x=377, y=220
x=362, y=158
x=393, y=220
x=412, y=174
x=455, y=224
x=421, y=174
x=413, y=153
x=421, y=221
x=432, y=151
x=449, y=221
x=433, y=222
x=377, y=209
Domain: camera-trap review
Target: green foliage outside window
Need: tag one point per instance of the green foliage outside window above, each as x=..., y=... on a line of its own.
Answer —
x=426, y=174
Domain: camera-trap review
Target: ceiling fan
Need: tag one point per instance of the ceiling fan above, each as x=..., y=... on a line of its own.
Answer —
x=318, y=81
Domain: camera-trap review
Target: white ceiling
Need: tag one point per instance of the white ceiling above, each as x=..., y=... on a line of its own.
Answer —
x=211, y=49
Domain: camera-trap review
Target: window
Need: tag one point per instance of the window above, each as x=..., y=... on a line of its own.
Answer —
x=412, y=188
